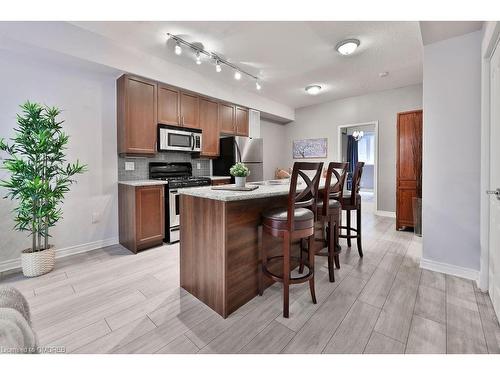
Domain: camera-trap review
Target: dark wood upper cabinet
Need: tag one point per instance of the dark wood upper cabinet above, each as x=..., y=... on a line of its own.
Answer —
x=241, y=121
x=168, y=105
x=136, y=115
x=408, y=165
x=227, y=120
x=189, y=110
x=209, y=124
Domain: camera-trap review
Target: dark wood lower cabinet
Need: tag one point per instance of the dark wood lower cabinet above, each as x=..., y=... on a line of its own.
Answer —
x=225, y=181
x=141, y=211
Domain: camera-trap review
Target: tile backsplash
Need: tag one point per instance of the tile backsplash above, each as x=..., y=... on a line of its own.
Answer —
x=141, y=170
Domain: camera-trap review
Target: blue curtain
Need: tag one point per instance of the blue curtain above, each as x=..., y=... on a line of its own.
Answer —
x=352, y=158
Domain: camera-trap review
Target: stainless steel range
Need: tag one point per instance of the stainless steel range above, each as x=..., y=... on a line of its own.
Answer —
x=178, y=175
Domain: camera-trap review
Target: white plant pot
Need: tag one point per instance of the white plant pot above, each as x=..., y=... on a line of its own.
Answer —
x=39, y=262
x=240, y=181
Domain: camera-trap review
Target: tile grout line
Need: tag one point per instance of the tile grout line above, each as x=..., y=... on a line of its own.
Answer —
x=413, y=312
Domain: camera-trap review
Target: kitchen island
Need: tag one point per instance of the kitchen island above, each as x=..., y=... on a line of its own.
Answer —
x=219, y=242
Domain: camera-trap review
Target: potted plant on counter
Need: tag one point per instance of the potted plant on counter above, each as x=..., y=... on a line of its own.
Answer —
x=240, y=173
x=39, y=179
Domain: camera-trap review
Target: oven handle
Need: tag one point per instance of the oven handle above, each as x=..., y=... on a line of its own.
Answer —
x=192, y=141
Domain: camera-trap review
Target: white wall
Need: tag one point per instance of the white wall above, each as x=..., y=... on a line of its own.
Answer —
x=88, y=102
x=323, y=120
x=274, y=136
x=451, y=154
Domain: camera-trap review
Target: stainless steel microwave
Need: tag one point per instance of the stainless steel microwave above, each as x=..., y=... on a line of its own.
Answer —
x=179, y=139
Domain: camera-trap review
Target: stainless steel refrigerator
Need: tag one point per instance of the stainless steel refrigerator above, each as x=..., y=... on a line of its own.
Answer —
x=249, y=151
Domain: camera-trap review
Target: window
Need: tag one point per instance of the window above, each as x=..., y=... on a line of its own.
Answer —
x=366, y=148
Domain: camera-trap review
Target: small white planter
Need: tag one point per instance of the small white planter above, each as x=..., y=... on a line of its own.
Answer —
x=240, y=181
x=39, y=262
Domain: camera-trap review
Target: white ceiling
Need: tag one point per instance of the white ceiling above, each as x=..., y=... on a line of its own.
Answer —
x=436, y=31
x=288, y=55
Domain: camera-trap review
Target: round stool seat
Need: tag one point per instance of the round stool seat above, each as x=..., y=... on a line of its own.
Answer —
x=332, y=203
x=277, y=218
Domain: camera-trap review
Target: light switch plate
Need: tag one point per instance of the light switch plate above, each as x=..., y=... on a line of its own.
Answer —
x=129, y=166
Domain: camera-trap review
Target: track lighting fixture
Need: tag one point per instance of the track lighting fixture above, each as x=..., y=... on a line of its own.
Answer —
x=238, y=73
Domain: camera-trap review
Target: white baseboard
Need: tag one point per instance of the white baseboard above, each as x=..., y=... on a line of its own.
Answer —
x=385, y=213
x=13, y=264
x=449, y=269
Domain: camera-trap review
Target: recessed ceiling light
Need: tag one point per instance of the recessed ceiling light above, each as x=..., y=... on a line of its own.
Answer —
x=383, y=74
x=348, y=46
x=313, y=89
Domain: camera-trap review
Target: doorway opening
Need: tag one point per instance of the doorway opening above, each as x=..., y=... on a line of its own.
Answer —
x=358, y=142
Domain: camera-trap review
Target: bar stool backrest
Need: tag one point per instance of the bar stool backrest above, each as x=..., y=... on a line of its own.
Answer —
x=356, y=182
x=307, y=197
x=334, y=183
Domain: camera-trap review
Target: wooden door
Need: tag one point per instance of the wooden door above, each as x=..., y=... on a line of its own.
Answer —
x=168, y=105
x=189, y=108
x=227, y=118
x=242, y=121
x=409, y=167
x=150, y=214
x=136, y=114
x=209, y=124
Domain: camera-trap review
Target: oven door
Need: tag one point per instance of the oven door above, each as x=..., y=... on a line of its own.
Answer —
x=176, y=140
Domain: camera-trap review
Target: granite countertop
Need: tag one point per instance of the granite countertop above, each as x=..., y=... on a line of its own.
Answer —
x=217, y=177
x=264, y=190
x=143, y=182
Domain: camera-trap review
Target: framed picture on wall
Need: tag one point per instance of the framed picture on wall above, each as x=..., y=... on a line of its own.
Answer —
x=310, y=148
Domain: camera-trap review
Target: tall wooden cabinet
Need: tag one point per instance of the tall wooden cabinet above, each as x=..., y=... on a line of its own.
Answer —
x=136, y=116
x=408, y=165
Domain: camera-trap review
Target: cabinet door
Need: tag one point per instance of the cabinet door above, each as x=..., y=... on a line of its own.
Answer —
x=226, y=118
x=189, y=110
x=150, y=214
x=242, y=121
x=209, y=124
x=137, y=117
x=168, y=105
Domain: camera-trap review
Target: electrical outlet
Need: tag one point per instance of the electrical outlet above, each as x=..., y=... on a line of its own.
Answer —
x=198, y=165
x=129, y=166
x=96, y=217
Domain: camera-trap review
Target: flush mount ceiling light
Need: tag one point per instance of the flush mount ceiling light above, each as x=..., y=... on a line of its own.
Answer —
x=347, y=47
x=313, y=89
x=214, y=58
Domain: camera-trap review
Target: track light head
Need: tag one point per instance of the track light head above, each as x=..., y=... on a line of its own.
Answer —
x=178, y=49
x=198, y=58
x=237, y=75
x=218, y=67
x=257, y=85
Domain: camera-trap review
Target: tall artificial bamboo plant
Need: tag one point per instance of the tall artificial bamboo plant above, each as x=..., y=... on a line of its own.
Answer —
x=39, y=174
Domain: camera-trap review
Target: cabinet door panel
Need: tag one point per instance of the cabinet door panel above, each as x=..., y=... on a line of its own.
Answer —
x=189, y=110
x=209, y=124
x=226, y=118
x=242, y=121
x=168, y=105
x=405, y=206
x=150, y=215
x=140, y=120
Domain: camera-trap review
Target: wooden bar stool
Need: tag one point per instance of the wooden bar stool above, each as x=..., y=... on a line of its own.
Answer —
x=351, y=201
x=294, y=222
